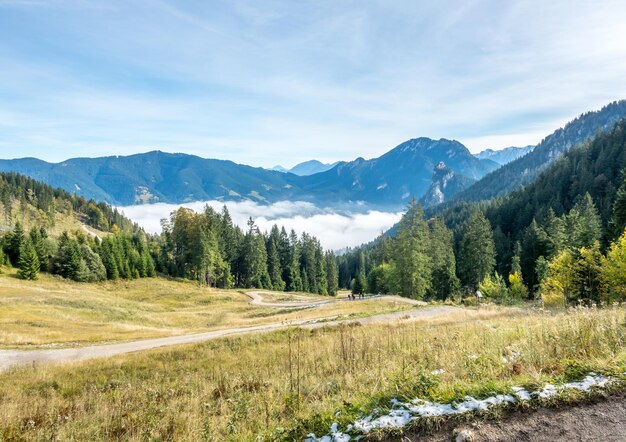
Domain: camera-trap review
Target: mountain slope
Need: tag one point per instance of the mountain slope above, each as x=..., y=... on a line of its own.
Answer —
x=444, y=184
x=157, y=176
x=504, y=156
x=36, y=204
x=395, y=177
x=525, y=169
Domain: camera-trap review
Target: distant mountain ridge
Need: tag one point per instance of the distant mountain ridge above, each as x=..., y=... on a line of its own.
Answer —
x=385, y=182
x=306, y=168
x=506, y=155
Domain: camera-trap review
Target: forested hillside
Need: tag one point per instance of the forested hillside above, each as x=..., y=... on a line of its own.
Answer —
x=51, y=230
x=46, y=231
x=524, y=170
x=553, y=233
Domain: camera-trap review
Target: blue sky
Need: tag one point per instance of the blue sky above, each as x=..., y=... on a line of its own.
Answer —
x=268, y=82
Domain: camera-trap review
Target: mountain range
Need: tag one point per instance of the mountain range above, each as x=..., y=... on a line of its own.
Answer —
x=504, y=156
x=433, y=171
x=385, y=182
x=307, y=168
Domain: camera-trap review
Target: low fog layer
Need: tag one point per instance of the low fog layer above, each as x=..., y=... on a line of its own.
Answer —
x=335, y=230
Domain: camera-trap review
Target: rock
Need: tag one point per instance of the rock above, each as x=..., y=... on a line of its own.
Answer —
x=464, y=435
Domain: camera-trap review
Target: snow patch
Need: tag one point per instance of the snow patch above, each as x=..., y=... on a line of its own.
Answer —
x=403, y=413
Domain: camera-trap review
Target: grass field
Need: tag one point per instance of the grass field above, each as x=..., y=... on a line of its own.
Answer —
x=282, y=385
x=57, y=312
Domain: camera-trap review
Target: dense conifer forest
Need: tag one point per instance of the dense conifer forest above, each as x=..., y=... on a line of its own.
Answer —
x=206, y=247
x=560, y=237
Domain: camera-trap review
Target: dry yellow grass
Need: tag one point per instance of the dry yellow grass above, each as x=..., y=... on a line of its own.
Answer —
x=281, y=385
x=53, y=311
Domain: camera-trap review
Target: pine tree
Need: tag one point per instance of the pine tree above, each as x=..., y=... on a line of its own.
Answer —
x=38, y=239
x=535, y=243
x=441, y=251
x=15, y=241
x=413, y=267
x=28, y=262
x=332, y=284
x=273, y=261
x=320, y=270
x=584, y=224
x=68, y=261
x=477, y=256
x=618, y=218
x=295, y=279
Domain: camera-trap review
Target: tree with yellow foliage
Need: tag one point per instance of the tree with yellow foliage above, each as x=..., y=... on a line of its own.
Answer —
x=613, y=272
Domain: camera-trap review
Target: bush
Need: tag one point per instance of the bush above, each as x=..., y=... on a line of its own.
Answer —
x=553, y=299
x=493, y=287
x=517, y=289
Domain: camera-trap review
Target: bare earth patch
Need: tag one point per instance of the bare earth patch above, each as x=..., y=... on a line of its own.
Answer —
x=596, y=420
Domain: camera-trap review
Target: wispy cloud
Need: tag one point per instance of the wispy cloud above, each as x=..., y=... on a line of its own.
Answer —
x=334, y=230
x=283, y=81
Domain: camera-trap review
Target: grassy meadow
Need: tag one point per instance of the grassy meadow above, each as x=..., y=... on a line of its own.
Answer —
x=281, y=385
x=53, y=312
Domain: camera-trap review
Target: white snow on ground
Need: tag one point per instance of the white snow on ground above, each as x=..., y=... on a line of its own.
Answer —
x=403, y=413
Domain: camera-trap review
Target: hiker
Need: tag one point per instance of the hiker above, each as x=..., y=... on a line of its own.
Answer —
x=479, y=296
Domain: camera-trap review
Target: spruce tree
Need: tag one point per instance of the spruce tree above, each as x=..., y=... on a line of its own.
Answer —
x=273, y=262
x=28, y=262
x=477, y=256
x=321, y=276
x=535, y=243
x=584, y=224
x=618, y=217
x=15, y=241
x=441, y=251
x=331, y=274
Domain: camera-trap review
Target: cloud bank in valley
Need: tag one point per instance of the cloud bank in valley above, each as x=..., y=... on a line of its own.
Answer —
x=335, y=230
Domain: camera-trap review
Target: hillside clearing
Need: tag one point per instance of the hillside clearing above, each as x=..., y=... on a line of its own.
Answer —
x=53, y=312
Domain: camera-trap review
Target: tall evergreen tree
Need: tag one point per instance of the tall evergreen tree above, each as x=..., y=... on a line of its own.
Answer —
x=294, y=280
x=331, y=274
x=273, y=260
x=535, y=243
x=618, y=217
x=14, y=244
x=28, y=262
x=584, y=224
x=441, y=251
x=413, y=264
x=477, y=255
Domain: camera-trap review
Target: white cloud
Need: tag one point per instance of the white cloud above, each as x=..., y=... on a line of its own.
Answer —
x=335, y=230
x=326, y=80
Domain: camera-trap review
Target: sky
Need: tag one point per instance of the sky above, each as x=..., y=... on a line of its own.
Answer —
x=279, y=82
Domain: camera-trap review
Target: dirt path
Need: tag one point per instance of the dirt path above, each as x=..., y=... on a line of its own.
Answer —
x=602, y=420
x=302, y=302
x=10, y=358
x=257, y=299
